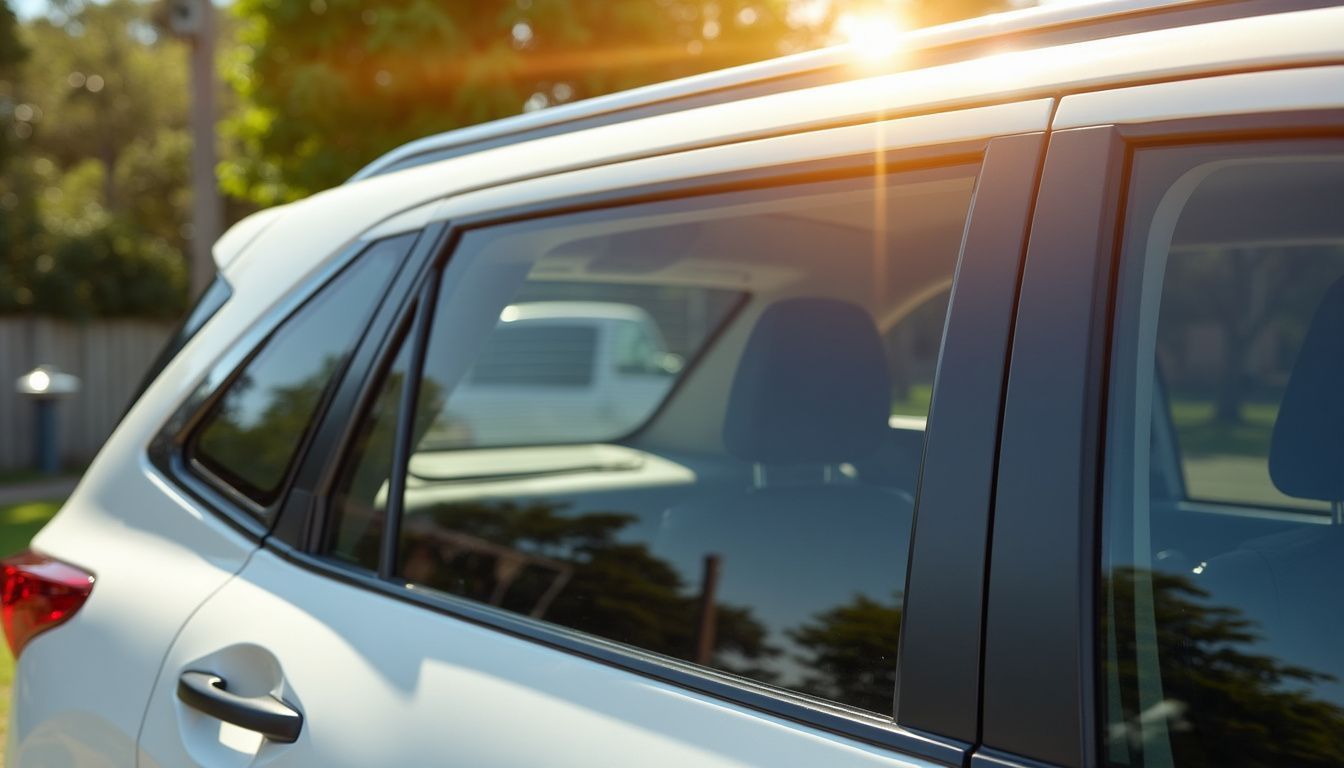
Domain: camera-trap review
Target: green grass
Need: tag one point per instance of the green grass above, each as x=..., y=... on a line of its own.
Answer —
x=18, y=476
x=915, y=403
x=1201, y=435
x=18, y=524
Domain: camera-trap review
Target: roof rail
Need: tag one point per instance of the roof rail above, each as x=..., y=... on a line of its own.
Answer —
x=1029, y=27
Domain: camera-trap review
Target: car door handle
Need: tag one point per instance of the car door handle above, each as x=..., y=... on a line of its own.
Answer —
x=266, y=715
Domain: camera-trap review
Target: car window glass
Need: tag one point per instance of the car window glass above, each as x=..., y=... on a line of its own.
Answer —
x=359, y=502
x=1223, y=527
x=251, y=434
x=727, y=488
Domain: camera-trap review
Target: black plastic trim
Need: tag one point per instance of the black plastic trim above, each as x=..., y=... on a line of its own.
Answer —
x=1042, y=688
x=990, y=758
x=298, y=524
x=1039, y=653
x=957, y=478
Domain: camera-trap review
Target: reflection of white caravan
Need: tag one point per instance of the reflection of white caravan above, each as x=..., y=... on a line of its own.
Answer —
x=557, y=371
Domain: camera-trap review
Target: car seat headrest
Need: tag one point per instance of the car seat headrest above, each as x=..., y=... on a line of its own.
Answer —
x=1306, y=457
x=812, y=386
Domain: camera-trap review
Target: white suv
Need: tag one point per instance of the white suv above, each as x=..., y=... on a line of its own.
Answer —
x=1009, y=431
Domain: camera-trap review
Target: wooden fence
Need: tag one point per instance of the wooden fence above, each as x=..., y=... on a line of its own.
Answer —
x=108, y=356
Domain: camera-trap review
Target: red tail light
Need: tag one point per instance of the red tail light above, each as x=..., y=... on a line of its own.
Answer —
x=37, y=594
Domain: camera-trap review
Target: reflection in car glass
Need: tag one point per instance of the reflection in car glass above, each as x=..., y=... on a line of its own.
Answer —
x=690, y=427
x=251, y=435
x=1226, y=502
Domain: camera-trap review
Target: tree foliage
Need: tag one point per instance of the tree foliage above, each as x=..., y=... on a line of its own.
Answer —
x=95, y=195
x=1226, y=701
x=851, y=650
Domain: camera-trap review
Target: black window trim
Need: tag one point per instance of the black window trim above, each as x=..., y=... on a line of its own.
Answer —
x=1075, y=243
x=169, y=450
x=298, y=531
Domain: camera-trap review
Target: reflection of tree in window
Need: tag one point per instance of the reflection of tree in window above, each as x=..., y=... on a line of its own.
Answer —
x=255, y=445
x=852, y=651
x=1224, y=705
x=513, y=555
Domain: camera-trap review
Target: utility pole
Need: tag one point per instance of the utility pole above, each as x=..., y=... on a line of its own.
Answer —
x=194, y=21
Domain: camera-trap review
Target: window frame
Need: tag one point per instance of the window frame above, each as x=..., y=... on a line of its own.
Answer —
x=1043, y=679
x=999, y=209
x=170, y=450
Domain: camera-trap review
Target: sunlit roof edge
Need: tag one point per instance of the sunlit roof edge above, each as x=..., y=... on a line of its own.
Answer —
x=955, y=33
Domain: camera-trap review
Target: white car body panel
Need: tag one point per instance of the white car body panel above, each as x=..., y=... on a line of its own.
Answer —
x=1249, y=93
x=442, y=691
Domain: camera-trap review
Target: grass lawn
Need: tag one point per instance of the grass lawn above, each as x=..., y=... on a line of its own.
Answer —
x=916, y=401
x=18, y=524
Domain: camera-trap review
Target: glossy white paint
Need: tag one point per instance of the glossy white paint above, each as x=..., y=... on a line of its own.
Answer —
x=386, y=683
x=887, y=135
x=240, y=235
x=80, y=691
x=1284, y=90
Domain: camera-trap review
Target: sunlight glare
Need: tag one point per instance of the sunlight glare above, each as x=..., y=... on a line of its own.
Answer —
x=873, y=36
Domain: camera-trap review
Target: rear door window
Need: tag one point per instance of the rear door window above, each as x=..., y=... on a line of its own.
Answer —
x=1224, y=530
x=724, y=484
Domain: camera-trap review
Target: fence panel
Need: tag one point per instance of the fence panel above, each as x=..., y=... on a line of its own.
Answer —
x=108, y=356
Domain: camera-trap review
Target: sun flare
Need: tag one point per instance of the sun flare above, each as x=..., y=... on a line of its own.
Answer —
x=872, y=36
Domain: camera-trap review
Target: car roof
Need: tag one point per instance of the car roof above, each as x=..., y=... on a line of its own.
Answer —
x=1038, y=26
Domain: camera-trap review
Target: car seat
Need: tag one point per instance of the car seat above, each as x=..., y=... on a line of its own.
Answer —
x=1285, y=582
x=812, y=391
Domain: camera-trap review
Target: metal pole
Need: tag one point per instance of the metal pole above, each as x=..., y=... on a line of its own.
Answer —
x=47, y=449
x=706, y=627
x=207, y=213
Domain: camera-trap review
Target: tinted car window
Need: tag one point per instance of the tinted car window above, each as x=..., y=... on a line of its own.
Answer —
x=251, y=434
x=736, y=502
x=1223, y=501
x=359, y=502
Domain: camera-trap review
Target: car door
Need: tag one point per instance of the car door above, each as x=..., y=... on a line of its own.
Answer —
x=721, y=580
x=1166, y=533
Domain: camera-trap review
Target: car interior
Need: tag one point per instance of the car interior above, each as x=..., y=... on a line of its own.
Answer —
x=775, y=480
x=1249, y=510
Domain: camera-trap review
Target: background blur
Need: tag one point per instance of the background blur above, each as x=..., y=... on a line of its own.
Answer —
x=95, y=139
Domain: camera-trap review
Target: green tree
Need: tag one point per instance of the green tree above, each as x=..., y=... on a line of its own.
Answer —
x=572, y=569
x=16, y=202
x=12, y=53
x=98, y=196
x=327, y=85
x=1226, y=704
x=851, y=652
